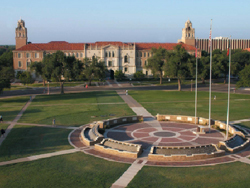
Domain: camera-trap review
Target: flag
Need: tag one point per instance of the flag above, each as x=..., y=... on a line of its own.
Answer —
x=228, y=47
x=210, y=35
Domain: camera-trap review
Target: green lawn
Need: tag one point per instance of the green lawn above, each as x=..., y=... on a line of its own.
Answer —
x=225, y=175
x=3, y=126
x=24, y=141
x=182, y=103
x=75, y=109
x=10, y=107
x=73, y=170
x=245, y=124
x=37, y=85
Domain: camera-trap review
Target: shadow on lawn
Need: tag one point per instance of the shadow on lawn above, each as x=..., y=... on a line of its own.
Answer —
x=25, y=141
x=47, y=98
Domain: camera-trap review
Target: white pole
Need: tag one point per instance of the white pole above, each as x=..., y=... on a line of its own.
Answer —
x=229, y=75
x=210, y=37
x=196, y=82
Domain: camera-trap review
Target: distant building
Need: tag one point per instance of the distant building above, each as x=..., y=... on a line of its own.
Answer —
x=128, y=57
x=188, y=37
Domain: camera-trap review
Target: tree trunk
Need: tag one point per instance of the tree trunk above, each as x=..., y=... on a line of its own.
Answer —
x=160, y=78
x=90, y=81
x=61, y=84
x=179, y=84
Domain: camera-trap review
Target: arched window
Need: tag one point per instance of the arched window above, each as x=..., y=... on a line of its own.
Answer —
x=125, y=59
x=113, y=54
x=19, y=55
x=27, y=64
x=77, y=55
x=109, y=54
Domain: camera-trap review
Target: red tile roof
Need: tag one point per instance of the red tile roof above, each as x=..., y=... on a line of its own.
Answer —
x=62, y=45
x=53, y=45
x=248, y=49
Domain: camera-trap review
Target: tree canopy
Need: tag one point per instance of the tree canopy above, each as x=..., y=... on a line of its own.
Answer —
x=94, y=69
x=6, y=69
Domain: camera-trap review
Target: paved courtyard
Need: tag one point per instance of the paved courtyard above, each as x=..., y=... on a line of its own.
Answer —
x=167, y=134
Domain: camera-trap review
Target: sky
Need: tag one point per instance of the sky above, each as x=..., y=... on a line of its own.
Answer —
x=122, y=20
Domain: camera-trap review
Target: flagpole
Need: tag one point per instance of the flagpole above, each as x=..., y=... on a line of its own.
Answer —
x=229, y=75
x=210, y=43
x=196, y=80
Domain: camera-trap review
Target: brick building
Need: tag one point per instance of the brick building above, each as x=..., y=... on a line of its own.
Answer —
x=128, y=57
x=188, y=37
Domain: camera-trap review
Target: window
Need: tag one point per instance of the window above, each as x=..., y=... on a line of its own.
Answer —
x=36, y=55
x=28, y=55
x=125, y=69
x=81, y=55
x=188, y=34
x=77, y=54
x=19, y=34
x=125, y=59
x=140, y=54
x=27, y=64
x=113, y=54
x=106, y=54
x=140, y=62
x=109, y=54
x=144, y=54
x=69, y=54
x=145, y=62
x=146, y=73
x=19, y=55
x=93, y=57
x=110, y=63
x=19, y=64
x=148, y=54
x=137, y=54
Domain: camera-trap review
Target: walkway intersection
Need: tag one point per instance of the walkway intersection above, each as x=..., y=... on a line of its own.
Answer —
x=148, y=128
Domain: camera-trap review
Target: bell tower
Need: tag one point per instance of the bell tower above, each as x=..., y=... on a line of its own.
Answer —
x=188, y=34
x=21, y=34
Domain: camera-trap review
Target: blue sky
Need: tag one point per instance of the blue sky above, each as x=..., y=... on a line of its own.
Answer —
x=122, y=20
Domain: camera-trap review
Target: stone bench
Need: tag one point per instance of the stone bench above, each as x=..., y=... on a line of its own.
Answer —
x=90, y=135
x=184, y=153
x=118, y=148
x=234, y=144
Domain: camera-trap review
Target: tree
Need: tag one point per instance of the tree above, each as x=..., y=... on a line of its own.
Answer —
x=244, y=76
x=157, y=61
x=176, y=64
x=119, y=75
x=139, y=75
x=6, y=69
x=58, y=67
x=94, y=69
x=38, y=68
x=24, y=77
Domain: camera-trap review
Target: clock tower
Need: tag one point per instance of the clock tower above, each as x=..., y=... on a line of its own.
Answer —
x=21, y=34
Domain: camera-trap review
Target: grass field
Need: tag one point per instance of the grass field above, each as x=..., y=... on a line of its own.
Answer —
x=226, y=175
x=24, y=141
x=182, y=103
x=75, y=109
x=9, y=108
x=37, y=85
x=3, y=126
x=73, y=170
x=245, y=124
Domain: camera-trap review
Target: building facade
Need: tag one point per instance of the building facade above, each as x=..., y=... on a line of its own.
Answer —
x=188, y=37
x=128, y=57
